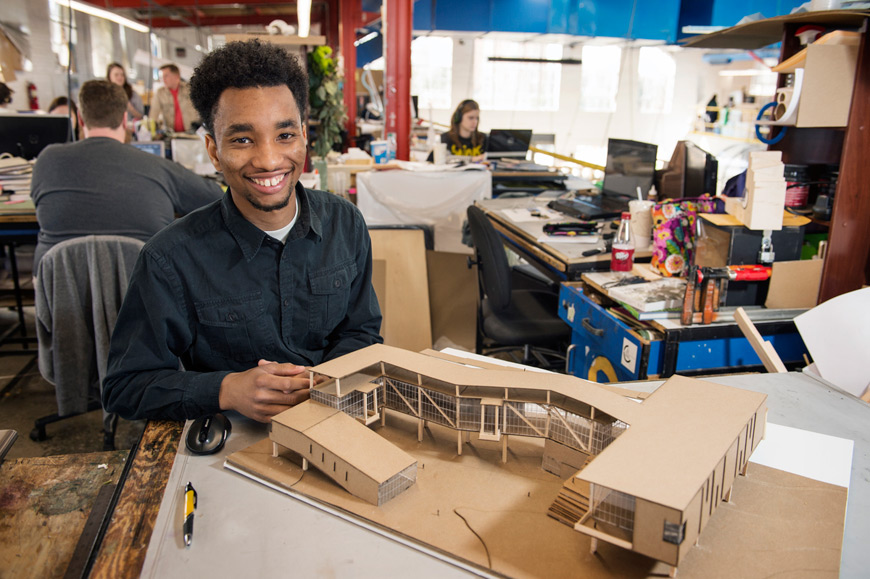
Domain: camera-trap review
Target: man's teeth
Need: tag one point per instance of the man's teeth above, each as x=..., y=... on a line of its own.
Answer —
x=268, y=182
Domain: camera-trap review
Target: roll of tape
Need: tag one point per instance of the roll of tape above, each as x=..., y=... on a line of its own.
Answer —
x=784, y=97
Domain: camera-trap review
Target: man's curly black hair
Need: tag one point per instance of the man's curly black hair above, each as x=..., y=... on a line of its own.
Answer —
x=246, y=65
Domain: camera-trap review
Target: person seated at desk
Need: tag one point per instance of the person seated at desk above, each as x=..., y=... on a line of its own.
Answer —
x=63, y=106
x=6, y=99
x=100, y=186
x=463, y=139
x=253, y=288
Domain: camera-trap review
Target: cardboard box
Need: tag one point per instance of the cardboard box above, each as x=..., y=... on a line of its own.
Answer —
x=829, y=78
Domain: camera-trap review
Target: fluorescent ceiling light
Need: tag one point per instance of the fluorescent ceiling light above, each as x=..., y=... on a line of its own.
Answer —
x=105, y=14
x=303, y=15
x=366, y=38
x=702, y=29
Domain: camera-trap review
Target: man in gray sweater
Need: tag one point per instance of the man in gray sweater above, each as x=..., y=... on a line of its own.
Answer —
x=100, y=186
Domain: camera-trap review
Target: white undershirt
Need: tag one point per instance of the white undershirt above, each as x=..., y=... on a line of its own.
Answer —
x=281, y=234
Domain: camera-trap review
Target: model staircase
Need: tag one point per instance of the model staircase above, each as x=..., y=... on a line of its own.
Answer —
x=572, y=503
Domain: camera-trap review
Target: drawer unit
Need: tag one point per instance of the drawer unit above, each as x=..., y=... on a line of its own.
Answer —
x=603, y=348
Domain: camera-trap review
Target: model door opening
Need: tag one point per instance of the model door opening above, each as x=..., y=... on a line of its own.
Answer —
x=489, y=424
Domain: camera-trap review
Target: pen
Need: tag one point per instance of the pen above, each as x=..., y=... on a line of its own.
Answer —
x=189, y=506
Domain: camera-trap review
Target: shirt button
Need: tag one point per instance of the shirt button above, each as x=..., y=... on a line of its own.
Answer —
x=232, y=317
x=286, y=303
x=337, y=283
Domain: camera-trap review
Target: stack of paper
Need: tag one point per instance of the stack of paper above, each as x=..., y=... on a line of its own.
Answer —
x=15, y=175
x=655, y=296
x=761, y=206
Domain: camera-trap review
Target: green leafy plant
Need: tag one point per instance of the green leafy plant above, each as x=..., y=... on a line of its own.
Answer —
x=326, y=99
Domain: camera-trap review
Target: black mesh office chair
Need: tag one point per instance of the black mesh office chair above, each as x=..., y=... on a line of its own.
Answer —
x=511, y=320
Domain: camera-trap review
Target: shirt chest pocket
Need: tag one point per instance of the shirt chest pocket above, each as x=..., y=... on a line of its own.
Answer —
x=234, y=327
x=330, y=293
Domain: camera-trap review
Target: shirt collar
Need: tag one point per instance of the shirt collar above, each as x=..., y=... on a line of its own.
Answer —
x=250, y=237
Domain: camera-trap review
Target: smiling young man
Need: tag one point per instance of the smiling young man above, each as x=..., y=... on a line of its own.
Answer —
x=250, y=290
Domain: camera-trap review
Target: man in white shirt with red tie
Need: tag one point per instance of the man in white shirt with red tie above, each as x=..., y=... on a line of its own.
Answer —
x=174, y=109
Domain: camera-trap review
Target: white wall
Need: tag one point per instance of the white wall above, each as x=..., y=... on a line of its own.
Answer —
x=575, y=129
x=46, y=73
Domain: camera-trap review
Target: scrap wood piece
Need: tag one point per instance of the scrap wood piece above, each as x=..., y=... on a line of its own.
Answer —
x=771, y=360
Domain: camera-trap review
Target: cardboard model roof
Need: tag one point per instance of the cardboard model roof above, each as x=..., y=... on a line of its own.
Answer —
x=676, y=438
x=575, y=388
x=369, y=452
x=685, y=429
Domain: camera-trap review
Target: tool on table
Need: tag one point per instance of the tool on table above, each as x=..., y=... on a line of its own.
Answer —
x=571, y=228
x=705, y=284
x=608, y=244
x=189, y=507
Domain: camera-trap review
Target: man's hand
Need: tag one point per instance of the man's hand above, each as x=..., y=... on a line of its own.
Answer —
x=262, y=392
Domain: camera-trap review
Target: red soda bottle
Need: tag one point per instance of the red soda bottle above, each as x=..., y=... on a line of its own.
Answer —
x=622, y=254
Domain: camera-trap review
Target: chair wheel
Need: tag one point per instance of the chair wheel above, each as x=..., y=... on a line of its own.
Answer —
x=38, y=435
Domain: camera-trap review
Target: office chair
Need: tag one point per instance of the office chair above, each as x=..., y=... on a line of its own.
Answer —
x=80, y=284
x=510, y=320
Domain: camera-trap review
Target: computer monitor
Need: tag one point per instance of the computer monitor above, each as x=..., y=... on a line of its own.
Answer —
x=26, y=135
x=512, y=143
x=154, y=147
x=701, y=171
x=691, y=172
x=630, y=164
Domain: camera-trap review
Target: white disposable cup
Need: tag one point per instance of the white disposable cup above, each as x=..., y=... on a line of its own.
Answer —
x=641, y=223
x=439, y=153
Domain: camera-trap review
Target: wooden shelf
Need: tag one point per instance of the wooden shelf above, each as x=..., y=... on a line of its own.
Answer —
x=765, y=32
x=847, y=265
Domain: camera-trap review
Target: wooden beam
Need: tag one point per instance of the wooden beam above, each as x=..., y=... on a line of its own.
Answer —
x=769, y=357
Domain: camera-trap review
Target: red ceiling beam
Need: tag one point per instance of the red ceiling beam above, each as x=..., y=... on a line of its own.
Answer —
x=144, y=4
x=251, y=19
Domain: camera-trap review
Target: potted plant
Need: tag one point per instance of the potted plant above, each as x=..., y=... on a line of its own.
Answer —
x=328, y=113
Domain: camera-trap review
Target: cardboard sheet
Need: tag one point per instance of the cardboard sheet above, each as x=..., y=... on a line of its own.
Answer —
x=728, y=220
x=837, y=334
x=402, y=287
x=794, y=284
x=493, y=516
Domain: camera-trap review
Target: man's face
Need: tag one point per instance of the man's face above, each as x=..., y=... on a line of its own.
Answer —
x=259, y=144
x=170, y=79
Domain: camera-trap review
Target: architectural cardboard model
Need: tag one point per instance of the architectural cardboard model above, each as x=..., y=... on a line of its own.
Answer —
x=660, y=467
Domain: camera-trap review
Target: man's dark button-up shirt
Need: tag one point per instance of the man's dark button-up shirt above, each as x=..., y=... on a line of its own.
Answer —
x=217, y=294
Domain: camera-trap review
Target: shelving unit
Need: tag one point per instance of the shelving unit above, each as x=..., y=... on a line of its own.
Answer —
x=847, y=265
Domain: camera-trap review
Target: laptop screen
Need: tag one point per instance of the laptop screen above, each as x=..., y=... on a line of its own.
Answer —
x=154, y=147
x=508, y=143
x=630, y=164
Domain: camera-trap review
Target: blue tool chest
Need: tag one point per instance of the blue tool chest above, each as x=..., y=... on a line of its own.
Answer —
x=606, y=349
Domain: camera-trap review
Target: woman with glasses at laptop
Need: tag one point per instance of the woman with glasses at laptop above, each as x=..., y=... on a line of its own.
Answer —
x=463, y=139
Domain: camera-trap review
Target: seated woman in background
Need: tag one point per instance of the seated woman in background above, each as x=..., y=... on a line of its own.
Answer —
x=63, y=106
x=463, y=138
x=135, y=109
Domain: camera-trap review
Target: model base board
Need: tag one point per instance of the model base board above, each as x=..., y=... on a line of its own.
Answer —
x=775, y=523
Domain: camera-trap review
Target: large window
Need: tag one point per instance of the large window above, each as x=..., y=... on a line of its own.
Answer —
x=432, y=71
x=656, y=71
x=599, y=78
x=516, y=86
